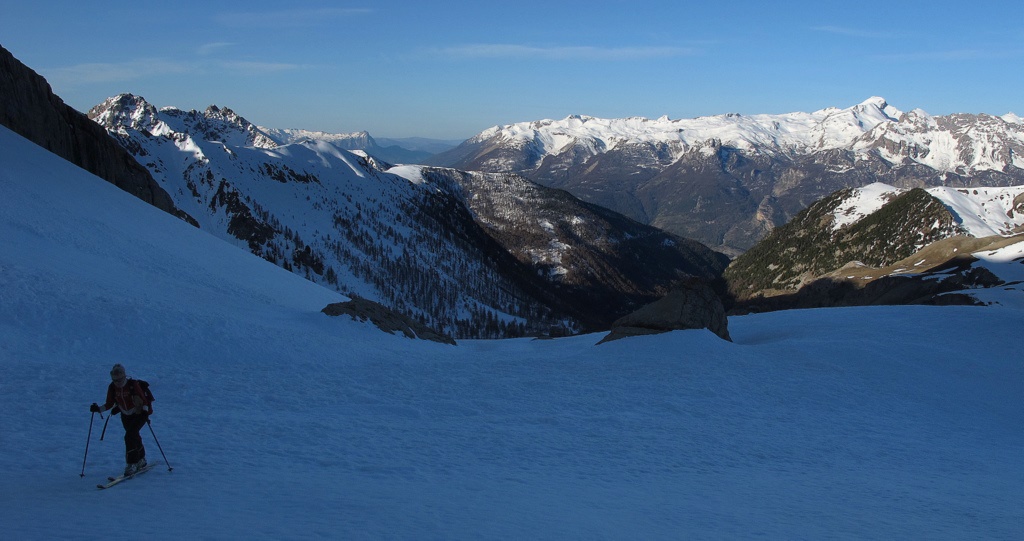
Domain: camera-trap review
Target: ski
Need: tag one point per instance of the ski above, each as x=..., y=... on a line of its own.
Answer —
x=111, y=481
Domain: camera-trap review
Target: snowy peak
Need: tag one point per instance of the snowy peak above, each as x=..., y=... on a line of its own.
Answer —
x=224, y=124
x=360, y=140
x=125, y=111
x=390, y=151
x=1011, y=118
x=129, y=112
x=876, y=106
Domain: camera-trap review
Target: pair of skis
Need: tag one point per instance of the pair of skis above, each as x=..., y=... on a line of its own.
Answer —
x=111, y=481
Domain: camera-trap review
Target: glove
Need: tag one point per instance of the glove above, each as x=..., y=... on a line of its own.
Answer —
x=95, y=408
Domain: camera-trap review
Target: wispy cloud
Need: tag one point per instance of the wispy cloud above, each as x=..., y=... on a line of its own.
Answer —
x=504, y=50
x=949, y=56
x=115, y=72
x=210, y=48
x=289, y=17
x=854, y=32
x=262, y=68
x=100, y=73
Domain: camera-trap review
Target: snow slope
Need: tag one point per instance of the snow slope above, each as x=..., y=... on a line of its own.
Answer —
x=981, y=211
x=282, y=423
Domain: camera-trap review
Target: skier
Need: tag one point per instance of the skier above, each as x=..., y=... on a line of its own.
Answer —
x=126, y=396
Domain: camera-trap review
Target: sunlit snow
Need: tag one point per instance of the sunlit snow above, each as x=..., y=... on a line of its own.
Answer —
x=873, y=126
x=982, y=212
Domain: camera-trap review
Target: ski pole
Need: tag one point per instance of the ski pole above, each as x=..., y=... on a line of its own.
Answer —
x=89, y=437
x=104, y=433
x=169, y=468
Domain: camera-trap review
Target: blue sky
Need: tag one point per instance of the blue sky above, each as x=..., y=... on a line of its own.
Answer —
x=452, y=69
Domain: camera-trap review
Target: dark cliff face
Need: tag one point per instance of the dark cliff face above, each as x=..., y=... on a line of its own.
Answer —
x=31, y=109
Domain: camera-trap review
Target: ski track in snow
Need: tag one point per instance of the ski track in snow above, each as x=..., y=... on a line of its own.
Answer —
x=282, y=423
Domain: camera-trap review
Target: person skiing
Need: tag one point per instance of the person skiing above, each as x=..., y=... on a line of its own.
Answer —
x=126, y=396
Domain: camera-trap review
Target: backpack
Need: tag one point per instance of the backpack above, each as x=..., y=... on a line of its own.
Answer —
x=147, y=396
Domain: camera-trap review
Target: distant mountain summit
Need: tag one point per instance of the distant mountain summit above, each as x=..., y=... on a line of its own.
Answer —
x=127, y=112
x=217, y=124
x=391, y=151
x=470, y=254
x=728, y=180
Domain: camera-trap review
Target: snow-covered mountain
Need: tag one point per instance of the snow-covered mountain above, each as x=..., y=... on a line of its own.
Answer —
x=978, y=212
x=410, y=238
x=387, y=150
x=727, y=180
x=283, y=423
x=860, y=235
x=767, y=134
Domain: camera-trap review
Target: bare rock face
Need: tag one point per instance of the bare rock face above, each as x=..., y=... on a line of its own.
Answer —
x=386, y=319
x=30, y=108
x=691, y=304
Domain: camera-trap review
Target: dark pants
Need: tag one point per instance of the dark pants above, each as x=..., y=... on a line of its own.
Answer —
x=133, y=449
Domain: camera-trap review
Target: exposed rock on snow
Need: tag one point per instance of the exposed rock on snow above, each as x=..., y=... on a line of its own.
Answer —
x=691, y=304
x=385, y=319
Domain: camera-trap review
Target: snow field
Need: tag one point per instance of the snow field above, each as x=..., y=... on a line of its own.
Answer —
x=282, y=423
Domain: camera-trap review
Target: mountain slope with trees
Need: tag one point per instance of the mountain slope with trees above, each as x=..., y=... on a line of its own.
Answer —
x=876, y=238
x=418, y=243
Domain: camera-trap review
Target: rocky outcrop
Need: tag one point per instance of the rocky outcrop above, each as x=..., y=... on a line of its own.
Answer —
x=691, y=304
x=385, y=319
x=29, y=107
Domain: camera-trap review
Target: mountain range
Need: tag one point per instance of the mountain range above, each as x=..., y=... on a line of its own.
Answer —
x=471, y=254
x=489, y=254
x=728, y=180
